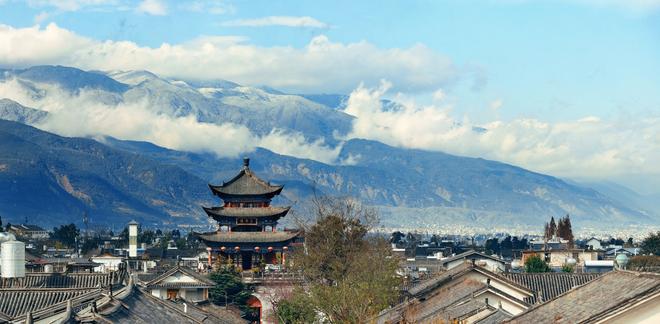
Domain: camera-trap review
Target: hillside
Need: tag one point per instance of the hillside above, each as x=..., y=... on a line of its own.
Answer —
x=51, y=180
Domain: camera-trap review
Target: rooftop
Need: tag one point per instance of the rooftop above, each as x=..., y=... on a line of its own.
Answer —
x=247, y=237
x=198, y=280
x=63, y=280
x=549, y=285
x=247, y=212
x=595, y=299
x=471, y=255
x=245, y=183
x=18, y=302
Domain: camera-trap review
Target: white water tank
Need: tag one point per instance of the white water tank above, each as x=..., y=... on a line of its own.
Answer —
x=4, y=236
x=13, y=259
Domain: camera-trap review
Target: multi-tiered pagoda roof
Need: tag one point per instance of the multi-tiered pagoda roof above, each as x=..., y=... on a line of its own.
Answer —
x=247, y=222
x=244, y=185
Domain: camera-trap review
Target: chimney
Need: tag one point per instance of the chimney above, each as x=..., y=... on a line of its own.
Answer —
x=246, y=162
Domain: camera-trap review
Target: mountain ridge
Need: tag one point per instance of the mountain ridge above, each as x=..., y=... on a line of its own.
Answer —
x=376, y=173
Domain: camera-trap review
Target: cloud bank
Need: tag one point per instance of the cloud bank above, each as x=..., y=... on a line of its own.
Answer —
x=588, y=147
x=321, y=66
x=85, y=114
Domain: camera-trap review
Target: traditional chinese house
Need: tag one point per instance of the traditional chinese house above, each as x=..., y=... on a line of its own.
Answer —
x=247, y=232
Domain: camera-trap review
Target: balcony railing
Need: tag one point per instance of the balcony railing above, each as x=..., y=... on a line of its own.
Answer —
x=270, y=277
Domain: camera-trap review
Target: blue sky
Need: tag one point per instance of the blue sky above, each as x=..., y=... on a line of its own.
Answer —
x=542, y=59
x=565, y=87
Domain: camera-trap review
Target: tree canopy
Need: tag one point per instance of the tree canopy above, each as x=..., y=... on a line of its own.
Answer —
x=651, y=244
x=66, y=234
x=351, y=274
x=535, y=264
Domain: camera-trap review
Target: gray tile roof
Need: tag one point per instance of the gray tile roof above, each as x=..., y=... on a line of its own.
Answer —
x=202, y=281
x=140, y=307
x=469, y=255
x=496, y=317
x=63, y=280
x=549, y=285
x=247, y=237
x=247, y=212
x=433, y=304
x=603, y=295
x=17, y=302
x=246, y=183
x=450, y=295
x=430, y=284
x=459, y=311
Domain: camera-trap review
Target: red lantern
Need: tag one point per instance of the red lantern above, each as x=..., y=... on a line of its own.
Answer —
x=270, y=249
x=285, y=248
x=237, y=248
x=208, y=249
x=223, y=249
x=256, y=248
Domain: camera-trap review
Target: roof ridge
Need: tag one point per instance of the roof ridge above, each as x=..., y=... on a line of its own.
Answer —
x=176, y=269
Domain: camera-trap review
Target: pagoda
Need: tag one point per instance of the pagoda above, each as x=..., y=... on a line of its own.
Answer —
x=247, y=223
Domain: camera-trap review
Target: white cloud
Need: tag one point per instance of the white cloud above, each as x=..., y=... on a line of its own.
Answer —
x=84, y=114
x=33, y=45
x=152, y=7
x=588, y=147
x=321, y=66
x=287, y=21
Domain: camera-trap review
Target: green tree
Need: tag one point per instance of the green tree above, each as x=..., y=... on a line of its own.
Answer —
x=492, y=246
x=351, y=275
x=296, y=310
x=565, y=230
x=651, y=244
x=66, y=234
x=567, y=268
x=629, y=243
x=229, y=287
x=552, y=230
x=146, y=236
x=535, y=264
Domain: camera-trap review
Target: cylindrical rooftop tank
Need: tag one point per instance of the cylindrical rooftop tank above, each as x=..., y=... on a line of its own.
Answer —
x=621, y=260
x=13, y=259
x=4, y=236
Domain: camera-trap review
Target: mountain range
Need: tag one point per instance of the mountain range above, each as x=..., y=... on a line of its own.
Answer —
x=53, y=178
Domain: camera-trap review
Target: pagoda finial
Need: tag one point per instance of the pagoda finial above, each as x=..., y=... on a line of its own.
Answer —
x=246, y=161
